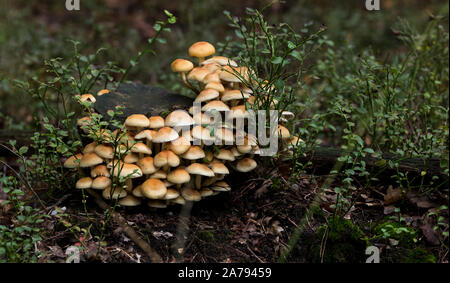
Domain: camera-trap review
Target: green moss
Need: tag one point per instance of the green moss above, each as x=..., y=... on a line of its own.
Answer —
x=207, y=236
x=405, y=235
x=420, y=255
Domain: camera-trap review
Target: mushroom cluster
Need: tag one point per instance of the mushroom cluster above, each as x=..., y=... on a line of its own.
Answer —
x=183, y=156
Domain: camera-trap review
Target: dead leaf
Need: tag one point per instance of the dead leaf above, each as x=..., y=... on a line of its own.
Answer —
x=389, y=209
x=392, y=195
x=429, y=233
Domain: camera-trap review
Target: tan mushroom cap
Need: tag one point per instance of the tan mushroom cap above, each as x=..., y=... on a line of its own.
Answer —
x=225, y=154
x=130, y=200
x=127, y=169
x=215, y=105
x=199, y=169
x=201, y=49
x=212, y=68
x=283, y=132
x=194, y=152
x=215, y=85
x=84, y=183
x=294, y=141
x=219, y=168
x=146, y=164
x=90, y=147
x=238, y=111
x=179, y=176
x=178, y=118
x=153, y=189
x=236, y=152
x=207, y=95
x=225, y=135
x=287, y=115
x=131, y=158
x=167, y=183
x=104, y=151
x=180, y=145
x=233, y=74
x=166, y=157
x=101, y=183
x=90, y=159
x=181, y=65
x=137, y=192
x=212, y=78
x=156, y=203
x=246, y=165
x=234, y=94
x=73, y=161
x=109, y=193
x=100, y=170
x=156, y=122
x=88, y=97
x=221, y=186
x=221, y=60
x=160, y=174
x=198, y=74
x=137, y=120
x=204, y=118
x=190, y=194
x=84, y=121
x=201, y=133
x=179, y=200
x=171, y=194
x=206, y=192
x=141, y=148
x=103, y=91
x=145, y=134
x=165, y=134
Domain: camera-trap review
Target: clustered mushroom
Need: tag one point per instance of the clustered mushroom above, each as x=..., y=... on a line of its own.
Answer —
x=165, y=165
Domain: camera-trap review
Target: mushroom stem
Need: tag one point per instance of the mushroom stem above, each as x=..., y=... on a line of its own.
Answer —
x=198, y=182
x=200, y=60
x=166, y=168
x=186, y=82
x=157, y=148
x=129, y=184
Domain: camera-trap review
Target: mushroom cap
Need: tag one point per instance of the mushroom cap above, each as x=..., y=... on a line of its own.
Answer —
x=126, y=169
x=178, y=176
x=246, y=165
x=206, y=192
x=102, y=92
x=131, y=158
x=211, y=67
x=201, y=133
x=234, y=94
x=88, y=97
x=215, y=85
x=190, y=194
x=84, y=183
x=73, y=161
x=193, y=153
x=146, y=164
x=238, y=111
x=215, y=105
x=198, y=74
x=160, y=174
x=90, y=159
x=179, y=200
x=100, y=170
x=137, y=120
x=287, y=115
x=203, y=118
x=101, y=183
x=130, y=200
x=225, y=135
x=211, y=78
x=283, y=132
x=137, y=192
x=165, y=134
x=104, y=151
x=171, y=194
x=141, y=148
x=145, y=134
x=233, y=74
x=156, y=203
x=219, y=168
x=225, y=154
x=201, y=49
x=153, y=189
x=84, y=121
x=199, y=169
x=247, y=90
x=167, y=183
x=294, y=141
x=180, y=145
x=156, y=122
x=179, y=118
x=221, y=60
x=89, y=148
x=109, y=193
x=236, y=152
x=207, y=95
x=221, y=186
x=181, y=65
x=166, y=157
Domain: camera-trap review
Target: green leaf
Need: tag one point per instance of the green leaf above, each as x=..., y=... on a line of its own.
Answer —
x=276, y=60
x=23, y=150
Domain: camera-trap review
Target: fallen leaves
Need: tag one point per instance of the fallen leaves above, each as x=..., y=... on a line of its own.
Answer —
x=392, y=195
